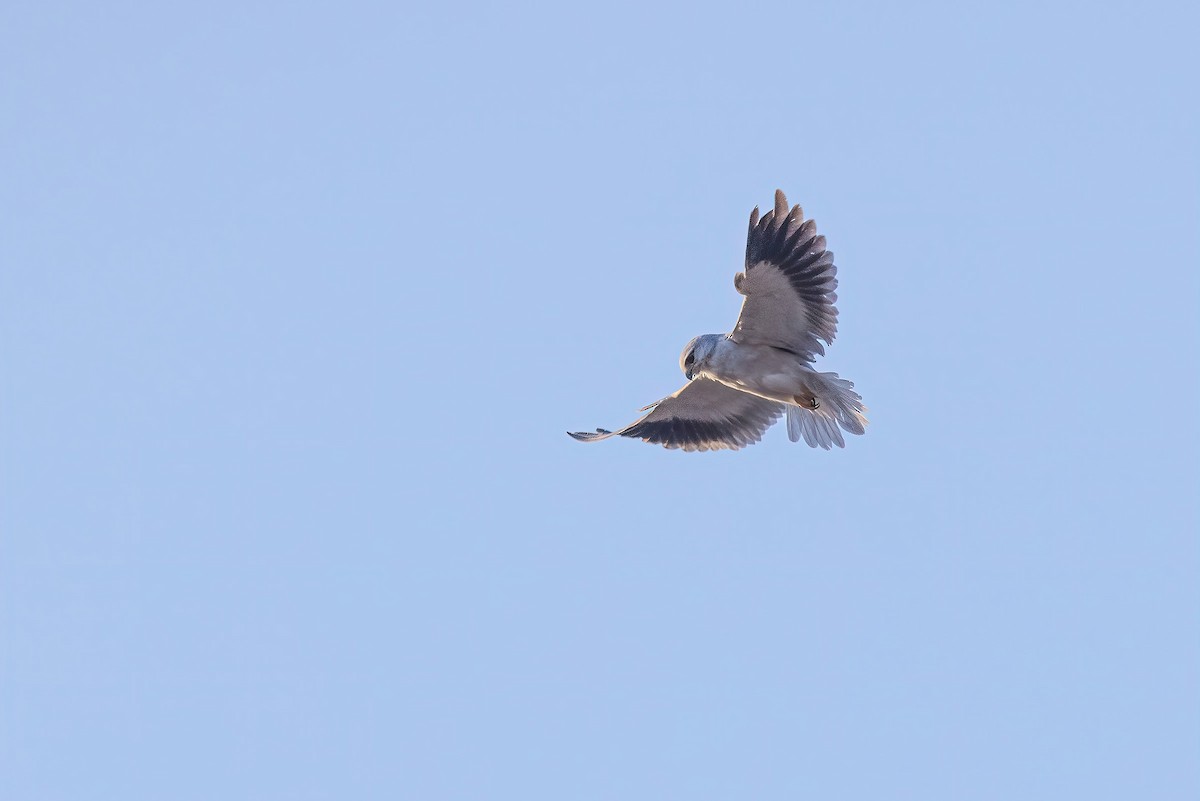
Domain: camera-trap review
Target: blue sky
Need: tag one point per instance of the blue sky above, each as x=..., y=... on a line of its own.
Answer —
x=297, y=302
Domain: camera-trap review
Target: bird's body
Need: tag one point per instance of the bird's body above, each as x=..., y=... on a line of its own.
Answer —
x=741, y=382
x=761, y=370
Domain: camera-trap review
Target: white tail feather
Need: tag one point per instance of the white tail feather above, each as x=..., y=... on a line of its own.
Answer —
x=838, y=405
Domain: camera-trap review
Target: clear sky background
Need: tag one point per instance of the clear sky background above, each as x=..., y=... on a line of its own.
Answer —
x=297, y=302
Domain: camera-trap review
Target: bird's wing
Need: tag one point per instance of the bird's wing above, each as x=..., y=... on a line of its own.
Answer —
x=789, y=284
x=703, y=416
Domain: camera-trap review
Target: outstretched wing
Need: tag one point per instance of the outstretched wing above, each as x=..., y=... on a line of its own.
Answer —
x=789, y=284
x=703, y=416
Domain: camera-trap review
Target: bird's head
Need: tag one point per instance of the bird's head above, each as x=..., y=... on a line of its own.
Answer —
x=696, y=354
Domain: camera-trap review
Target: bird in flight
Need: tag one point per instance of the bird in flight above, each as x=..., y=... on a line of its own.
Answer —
x=740, y=383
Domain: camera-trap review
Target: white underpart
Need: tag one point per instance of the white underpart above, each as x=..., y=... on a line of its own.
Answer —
x=781, y=376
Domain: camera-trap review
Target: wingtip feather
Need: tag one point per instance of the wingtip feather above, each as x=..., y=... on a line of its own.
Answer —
x=781, y=204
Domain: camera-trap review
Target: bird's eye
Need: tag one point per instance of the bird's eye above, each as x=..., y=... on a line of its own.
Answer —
x=691, y=358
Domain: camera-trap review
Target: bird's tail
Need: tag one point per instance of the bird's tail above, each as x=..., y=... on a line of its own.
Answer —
x=827, y=403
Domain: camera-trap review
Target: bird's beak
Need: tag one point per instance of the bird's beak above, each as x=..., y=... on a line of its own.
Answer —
x=689, y=374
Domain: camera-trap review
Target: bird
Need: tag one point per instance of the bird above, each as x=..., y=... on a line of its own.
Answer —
x=740, y=383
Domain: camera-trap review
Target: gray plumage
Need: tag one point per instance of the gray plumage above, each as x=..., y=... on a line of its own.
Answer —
x=740, y=383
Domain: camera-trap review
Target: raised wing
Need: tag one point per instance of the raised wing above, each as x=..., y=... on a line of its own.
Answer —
x=789, y=284
x=703, y=416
